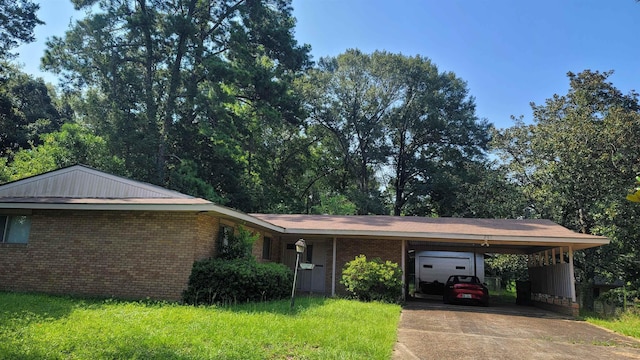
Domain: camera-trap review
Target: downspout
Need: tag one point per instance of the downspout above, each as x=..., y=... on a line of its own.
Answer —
x=333, y=269
x=404, y=270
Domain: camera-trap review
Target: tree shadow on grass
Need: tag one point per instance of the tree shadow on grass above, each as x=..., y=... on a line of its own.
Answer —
x=28, y=308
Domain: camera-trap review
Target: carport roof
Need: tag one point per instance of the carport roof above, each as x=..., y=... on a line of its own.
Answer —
x=510, y=235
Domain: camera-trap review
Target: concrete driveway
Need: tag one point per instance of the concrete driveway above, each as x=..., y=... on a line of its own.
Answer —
x=432, y=330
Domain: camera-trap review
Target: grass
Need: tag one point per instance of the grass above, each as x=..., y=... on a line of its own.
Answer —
x=503, y=296
x=48, y=327
x=627, y=323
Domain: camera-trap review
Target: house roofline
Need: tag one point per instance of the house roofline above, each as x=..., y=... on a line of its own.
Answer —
x=122, y=205
x=240, y=217
x=580, y=243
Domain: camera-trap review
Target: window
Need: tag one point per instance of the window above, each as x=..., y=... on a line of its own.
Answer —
x=225, y=235
x=15, y=228
x=266, y=248
x=309, y=253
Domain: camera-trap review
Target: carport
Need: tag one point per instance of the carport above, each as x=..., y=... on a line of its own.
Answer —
x=549, y=246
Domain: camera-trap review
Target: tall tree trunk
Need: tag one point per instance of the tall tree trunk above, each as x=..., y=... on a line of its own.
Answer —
x=150, y=99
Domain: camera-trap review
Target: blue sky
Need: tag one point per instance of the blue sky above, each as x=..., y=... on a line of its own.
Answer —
x=510, y=52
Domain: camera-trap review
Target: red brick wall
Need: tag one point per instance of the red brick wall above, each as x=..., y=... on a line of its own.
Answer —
x=123, y=254
x=348, y=249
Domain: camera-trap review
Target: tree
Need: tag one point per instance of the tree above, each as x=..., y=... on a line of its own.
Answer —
x=634, y=195
x=198, y=81
x=28, y=109
x=392, y=120
x=435, y=136
x=17, y=21
x=573, y=165
x=348, y=97
x=508, y=267
x=73, y=144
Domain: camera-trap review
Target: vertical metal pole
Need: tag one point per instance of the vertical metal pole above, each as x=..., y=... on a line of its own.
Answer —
x=475, y=263
x=295, y=277
x=333, y=268
x=572, y=274
x=404, y=269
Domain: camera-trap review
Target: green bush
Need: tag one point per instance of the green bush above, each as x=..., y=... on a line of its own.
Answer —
x=373, y=280
x=238, y=244
x=222, y=281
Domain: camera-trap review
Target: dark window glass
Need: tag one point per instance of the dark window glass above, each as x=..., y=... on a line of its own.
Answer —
x=309, y=253
x=266, y=248
x=3, y=226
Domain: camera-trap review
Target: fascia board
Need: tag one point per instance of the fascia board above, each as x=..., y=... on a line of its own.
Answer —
x=449, y=236
x=239, y=216
x=212, y=208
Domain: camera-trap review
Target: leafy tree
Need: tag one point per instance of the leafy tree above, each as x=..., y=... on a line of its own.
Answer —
x=508, y=267
x=573, y=165
x=28, y=108
x=173, y=81
x=348, y=97
x=435, y=138
x=335, y=205
x=392, y=120
x=635, y=194
x=73, y=144
x=184, y=178
x=17, y=20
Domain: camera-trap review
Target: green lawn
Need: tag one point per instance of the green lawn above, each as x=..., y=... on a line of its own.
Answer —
x=47, y=327
x=627, y=323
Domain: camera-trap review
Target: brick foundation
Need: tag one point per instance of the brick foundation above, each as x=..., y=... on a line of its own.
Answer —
x=556, y=304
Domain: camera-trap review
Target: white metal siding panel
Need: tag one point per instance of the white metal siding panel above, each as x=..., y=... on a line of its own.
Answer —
x=552, y=280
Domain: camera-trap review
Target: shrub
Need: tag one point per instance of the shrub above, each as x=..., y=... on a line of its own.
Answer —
x=373, y=280
x=222, y=281
x=238, y=245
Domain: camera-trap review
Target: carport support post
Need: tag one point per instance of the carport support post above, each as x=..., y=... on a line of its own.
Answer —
x=404, y=270
x=333, y=268
x=572, y=274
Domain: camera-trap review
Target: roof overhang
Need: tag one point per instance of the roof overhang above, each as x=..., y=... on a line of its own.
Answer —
x=449, y=234
x=155, y=204
x=462, y=242
x=421, y=233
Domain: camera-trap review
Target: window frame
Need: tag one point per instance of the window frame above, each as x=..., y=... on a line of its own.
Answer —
x=7, y=217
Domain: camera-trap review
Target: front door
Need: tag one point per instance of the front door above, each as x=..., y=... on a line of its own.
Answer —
x=315, y=253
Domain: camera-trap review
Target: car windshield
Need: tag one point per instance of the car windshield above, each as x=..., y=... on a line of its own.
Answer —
x=464, y=280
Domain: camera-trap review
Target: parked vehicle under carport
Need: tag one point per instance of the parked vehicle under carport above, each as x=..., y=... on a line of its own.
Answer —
x=465, y=289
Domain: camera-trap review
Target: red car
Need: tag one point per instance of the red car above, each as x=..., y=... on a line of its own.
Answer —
x=465, y=289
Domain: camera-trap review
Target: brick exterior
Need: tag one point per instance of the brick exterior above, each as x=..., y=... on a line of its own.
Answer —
x=348, y=249
x=139, y=254
x=123, y=254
